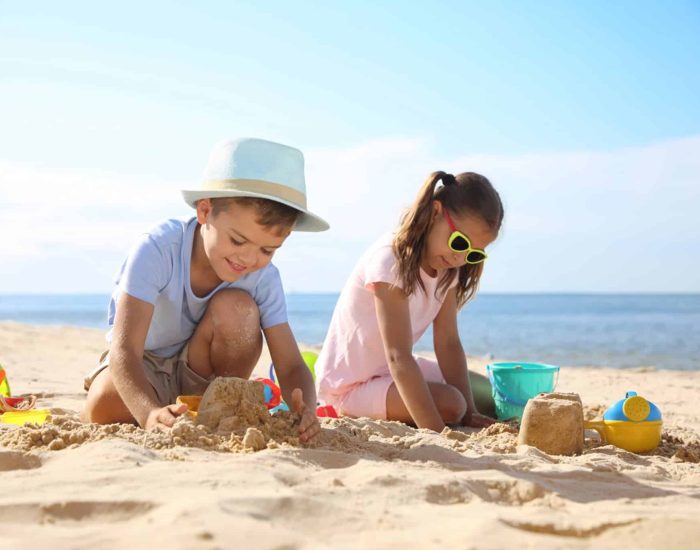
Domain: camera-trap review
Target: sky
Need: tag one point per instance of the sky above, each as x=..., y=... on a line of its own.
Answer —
x=584, y=115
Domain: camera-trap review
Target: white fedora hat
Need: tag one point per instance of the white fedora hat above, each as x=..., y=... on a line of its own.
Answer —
x=252, y=167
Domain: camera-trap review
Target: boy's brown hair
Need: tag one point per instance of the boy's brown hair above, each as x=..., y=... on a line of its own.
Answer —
x=270, y=213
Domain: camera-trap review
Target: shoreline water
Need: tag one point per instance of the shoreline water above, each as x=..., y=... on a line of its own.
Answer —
x=612, y=330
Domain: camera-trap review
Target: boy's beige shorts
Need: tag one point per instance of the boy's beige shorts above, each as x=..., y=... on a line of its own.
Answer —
x=169, y=376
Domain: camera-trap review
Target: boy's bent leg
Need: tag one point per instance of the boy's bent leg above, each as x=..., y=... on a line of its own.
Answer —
x=228, y=339
x=103, y=404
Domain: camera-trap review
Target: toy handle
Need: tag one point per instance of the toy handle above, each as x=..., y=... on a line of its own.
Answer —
x=273, y=394
x=598, y=426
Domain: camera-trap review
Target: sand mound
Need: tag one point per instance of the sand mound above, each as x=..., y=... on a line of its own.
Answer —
x=232, y=418
x=680, y=445
x=369, y=437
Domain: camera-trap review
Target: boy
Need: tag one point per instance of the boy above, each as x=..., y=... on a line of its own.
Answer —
x=192, y=295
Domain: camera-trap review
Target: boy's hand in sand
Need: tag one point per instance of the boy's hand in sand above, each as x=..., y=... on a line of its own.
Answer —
x=164, y=417
x=309, y=426
x=477, y=420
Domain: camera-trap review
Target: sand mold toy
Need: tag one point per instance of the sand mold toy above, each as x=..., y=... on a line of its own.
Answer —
x=633, y=424
x=18, y=410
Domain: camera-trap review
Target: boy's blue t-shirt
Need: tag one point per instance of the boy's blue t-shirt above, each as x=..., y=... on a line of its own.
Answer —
x=157, y=271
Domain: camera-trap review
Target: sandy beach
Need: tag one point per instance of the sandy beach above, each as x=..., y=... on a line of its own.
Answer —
x=364, y=484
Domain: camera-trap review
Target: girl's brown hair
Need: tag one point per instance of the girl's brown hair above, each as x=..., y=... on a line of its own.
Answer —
x=467, y=193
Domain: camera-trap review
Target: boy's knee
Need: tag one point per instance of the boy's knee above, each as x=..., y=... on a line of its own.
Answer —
x=103, y=404
x=233, y=308
x=452, y=406
x=96, y=410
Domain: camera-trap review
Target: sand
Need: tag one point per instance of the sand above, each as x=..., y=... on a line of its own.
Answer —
x=362, y=484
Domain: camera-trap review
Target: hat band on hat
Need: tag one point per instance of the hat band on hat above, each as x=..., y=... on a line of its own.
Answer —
x=258, y=186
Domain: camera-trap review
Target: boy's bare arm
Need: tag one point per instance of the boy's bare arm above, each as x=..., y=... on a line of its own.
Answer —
x=131, y=322
x=395, y=327
x=289, y=364
x=295, y=380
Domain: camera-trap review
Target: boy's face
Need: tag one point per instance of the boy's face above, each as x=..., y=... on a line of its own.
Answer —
x=234, y=242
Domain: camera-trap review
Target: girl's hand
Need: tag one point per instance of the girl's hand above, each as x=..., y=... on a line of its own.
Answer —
x=309, y=426
x=477, y=420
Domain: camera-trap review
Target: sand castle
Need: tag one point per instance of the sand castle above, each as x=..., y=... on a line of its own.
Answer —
x=553, y=422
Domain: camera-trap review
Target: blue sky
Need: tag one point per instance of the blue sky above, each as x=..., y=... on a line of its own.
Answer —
x=583, y=114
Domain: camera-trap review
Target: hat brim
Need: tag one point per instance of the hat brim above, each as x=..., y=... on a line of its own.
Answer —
x=307, y=221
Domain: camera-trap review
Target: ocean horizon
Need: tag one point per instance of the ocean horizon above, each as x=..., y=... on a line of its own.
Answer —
x=569, y=329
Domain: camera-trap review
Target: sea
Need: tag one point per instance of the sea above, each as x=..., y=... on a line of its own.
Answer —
x=603, y=330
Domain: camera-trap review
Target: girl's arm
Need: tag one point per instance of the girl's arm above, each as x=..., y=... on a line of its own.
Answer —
x=448, y=348
x=395, y=328
x=451, y=357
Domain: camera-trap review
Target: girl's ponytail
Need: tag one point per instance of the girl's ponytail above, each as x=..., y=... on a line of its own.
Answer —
x=409, y=240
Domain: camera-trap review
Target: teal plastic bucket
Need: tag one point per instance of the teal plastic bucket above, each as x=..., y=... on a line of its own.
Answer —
x=512, y=384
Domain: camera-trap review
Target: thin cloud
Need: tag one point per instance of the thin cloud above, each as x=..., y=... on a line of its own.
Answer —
x=620, y=220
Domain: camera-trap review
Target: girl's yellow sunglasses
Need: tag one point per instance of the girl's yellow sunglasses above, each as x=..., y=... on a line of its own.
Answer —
x=459, y=242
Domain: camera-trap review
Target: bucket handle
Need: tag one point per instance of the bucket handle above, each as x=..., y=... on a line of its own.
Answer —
x=508, y=399
x=502, y=395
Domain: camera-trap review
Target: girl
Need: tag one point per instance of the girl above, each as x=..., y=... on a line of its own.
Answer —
x=422, y=274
